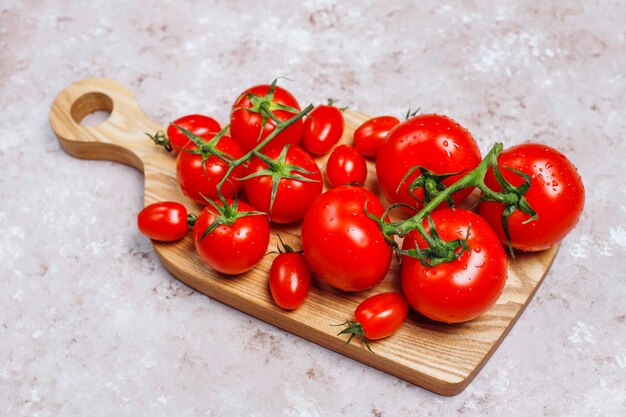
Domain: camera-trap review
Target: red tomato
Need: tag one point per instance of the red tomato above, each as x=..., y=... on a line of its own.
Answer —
x=370, y=135
x=290, y=280
x=323, y=128
x=556, y=193
x=344, y=247
x=346, y=166
x=293, y=196
x=381, y=315
x=436, y=143
x=239, y=241
x=246, y=118
x=195, y=182
x=195, y=123
x=465, y=288
x=165, y=221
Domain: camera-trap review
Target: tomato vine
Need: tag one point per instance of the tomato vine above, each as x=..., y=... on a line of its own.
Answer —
x=440, y=251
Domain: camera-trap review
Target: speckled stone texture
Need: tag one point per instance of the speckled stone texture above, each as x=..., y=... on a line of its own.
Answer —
x=92, y=324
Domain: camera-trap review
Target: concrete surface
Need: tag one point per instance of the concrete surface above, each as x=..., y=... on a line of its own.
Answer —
x=92, y=324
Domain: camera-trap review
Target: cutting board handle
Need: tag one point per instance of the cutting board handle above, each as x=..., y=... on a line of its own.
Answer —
x=121, y=138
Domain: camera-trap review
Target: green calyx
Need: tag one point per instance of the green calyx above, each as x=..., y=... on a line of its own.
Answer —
x=432, y=184
x=512, y=197
x=278, y=169
x=354, y=328
x=227, y=214
x=191, y=219
x=438, y=251
x=206, y=149
x=411, y=113
x=161, y=139
x=282, y=247
x=266, y=106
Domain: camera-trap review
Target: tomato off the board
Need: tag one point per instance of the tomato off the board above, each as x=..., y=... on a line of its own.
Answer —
x=439, y=357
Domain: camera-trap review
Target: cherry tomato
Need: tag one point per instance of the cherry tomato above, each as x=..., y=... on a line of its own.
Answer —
x=556, y=193
x=343, y=245
x=165, y=221
x=370, y=135
x=293, y=195
x=436, y=143
x=290, y=280
x=381, y=315
x=195, y=123
x=238, y=242
x=196, y=182
x=246, y=118
x=346, y=166
x=463, y=289
x=323, y=128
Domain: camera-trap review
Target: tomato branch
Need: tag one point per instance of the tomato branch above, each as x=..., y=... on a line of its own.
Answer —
x=280, y=126
x=512, y=197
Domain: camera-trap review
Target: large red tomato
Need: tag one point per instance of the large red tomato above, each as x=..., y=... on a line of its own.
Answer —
x=248, y=111
x=295, y=175
x=464, y=288
x=343, y=245
x=436, y=143
x=556, y=193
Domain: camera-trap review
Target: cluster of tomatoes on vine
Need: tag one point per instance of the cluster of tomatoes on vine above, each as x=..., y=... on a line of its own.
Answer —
x=261, y=169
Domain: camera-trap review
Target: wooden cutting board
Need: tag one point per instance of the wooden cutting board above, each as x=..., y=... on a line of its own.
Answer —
x=439, y=357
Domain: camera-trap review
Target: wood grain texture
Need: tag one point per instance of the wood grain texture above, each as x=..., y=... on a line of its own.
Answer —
x=439, y=357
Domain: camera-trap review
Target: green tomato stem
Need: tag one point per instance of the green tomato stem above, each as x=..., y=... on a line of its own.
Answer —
x=280, y=126
x=474, y=178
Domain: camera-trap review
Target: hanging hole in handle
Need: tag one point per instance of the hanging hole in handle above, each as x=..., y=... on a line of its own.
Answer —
x=92, y=109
